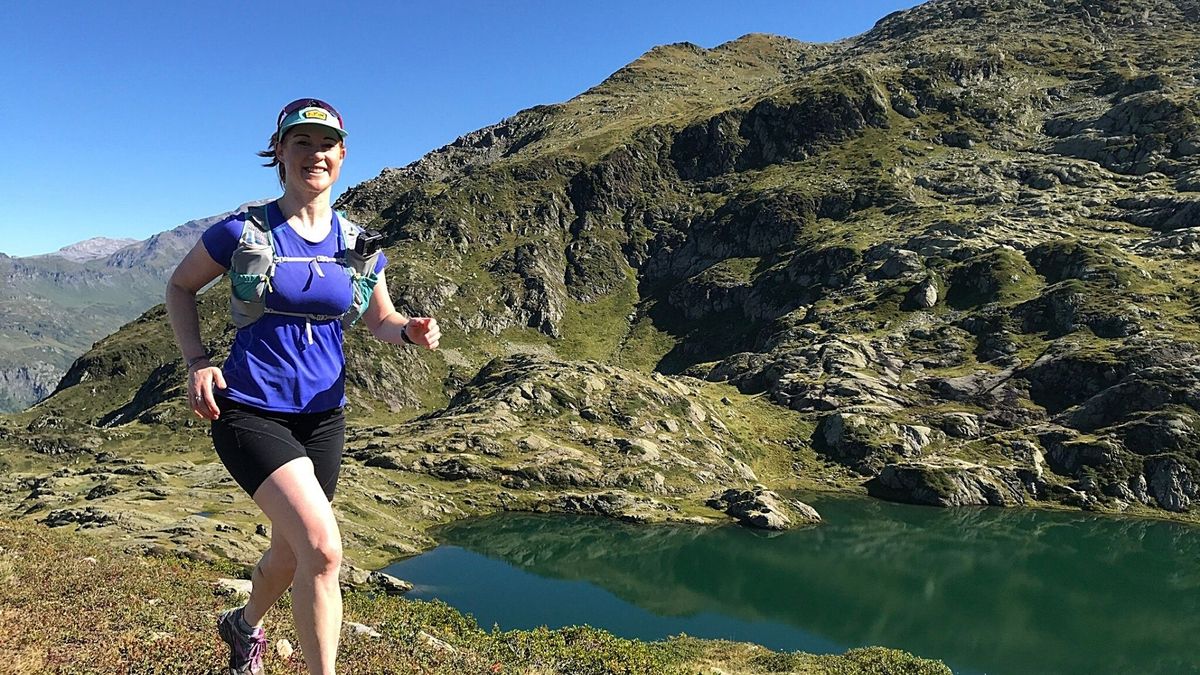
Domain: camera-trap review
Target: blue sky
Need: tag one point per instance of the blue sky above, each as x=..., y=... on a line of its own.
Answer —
x=127, y=118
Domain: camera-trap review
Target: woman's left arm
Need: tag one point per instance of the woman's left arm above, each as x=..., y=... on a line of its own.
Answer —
x=388, y=325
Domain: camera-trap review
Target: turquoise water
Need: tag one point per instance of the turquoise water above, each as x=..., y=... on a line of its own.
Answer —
x=985, y=590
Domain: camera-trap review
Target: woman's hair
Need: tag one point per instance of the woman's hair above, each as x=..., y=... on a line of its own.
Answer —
x=270, y=153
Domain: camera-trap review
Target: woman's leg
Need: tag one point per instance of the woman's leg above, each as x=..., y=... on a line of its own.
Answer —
x=270, y=579
x=302, y=516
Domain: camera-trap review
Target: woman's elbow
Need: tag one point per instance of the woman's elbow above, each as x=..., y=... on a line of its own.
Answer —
x=178, y=295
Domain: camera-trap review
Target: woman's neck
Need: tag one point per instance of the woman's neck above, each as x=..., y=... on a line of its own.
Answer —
x=304, y=210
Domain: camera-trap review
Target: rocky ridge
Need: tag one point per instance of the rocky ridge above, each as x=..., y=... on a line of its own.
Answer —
x=91, y=249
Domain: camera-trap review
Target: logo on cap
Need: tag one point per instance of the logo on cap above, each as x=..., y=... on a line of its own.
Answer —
x=315, y=114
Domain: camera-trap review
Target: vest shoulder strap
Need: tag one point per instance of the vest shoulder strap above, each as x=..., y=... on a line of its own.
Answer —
x=349, y=231
x=257, y=226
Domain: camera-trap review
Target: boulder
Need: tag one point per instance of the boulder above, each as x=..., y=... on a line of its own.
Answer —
x=865, y=444
x=389, y=584
x=613, y=504
x=1171, y=482
x=1161, y=432
x=761, y=508
x=960, y=425
x=949, y=483
x=361, y=629
x=922, y=296
x=86, y=518
x=898, y=264
x=236, y=589
x=351, y=578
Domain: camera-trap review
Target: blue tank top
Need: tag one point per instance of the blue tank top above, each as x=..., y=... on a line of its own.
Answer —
x=286, y=363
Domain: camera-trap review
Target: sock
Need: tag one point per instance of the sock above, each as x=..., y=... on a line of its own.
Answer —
x=245, y=628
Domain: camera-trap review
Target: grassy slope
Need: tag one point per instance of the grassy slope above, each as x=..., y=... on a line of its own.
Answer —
x=155, y=615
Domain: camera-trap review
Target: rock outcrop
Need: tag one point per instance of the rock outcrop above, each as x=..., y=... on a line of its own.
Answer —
x=761, y=508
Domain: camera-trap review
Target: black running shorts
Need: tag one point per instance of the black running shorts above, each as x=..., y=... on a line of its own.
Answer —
x=252, y=443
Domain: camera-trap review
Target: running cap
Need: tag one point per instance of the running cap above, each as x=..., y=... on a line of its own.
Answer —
x=309, y=111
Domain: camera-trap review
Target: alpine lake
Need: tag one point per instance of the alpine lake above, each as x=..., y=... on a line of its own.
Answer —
x=985, y=590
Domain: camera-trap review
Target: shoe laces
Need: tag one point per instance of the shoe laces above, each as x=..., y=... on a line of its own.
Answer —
x=253, y=648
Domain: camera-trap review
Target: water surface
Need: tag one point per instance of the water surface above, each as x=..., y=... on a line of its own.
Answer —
x=991, y=591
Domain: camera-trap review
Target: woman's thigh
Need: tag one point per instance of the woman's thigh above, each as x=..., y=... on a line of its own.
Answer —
x=253, y=445
x=323, y=443
x=299, y=511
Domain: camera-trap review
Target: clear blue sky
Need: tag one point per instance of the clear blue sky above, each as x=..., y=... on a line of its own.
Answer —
x=127, y=118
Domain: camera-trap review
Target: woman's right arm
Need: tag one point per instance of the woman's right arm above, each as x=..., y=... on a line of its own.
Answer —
x=195, y=272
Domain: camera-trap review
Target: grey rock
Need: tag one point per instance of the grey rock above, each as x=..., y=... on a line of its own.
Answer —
x=761, y=508
x=949, y=483
x=236, y=589
x=362, y=629
x=1171, y=483
x=389, y=584
x=960, y=425
x=85, y=518
x=900, y=263
x=922, y=296
x=865, y=444
x=351, y=578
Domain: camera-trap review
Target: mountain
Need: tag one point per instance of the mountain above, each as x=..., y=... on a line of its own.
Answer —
x=54, y=307
x=950, y=261
x=91, y=249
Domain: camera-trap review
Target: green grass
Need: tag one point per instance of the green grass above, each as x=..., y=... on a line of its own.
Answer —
x=645, y=344
x=594, y=331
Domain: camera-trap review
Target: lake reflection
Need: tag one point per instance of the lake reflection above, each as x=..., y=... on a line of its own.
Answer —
x=985, y=590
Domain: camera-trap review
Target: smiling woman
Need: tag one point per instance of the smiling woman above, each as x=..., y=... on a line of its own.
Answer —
x=318, y=124
x=300, y=276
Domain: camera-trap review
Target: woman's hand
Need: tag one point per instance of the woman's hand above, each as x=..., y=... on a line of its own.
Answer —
x=200, y=391
x=423, y=330
x=392, y=327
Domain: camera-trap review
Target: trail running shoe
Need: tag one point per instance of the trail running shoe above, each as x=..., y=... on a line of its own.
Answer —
x=245, y=651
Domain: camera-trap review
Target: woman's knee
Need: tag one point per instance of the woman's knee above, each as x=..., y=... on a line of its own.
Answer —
x=279, y=560
x=322, y=555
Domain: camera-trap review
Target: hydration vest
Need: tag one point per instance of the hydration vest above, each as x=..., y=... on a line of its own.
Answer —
x=253, y=266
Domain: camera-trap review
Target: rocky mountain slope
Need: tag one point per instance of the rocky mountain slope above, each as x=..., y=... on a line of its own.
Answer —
x=949, y=261
x=53, y=307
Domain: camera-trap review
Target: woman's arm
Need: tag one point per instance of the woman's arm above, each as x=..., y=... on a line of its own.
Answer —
x=195, y=271
x=388, y=325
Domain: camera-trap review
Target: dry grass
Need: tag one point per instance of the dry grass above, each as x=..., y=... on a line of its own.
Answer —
x=69, y=604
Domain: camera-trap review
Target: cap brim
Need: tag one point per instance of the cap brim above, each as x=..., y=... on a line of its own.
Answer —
x=283, y=129
x=311, y=115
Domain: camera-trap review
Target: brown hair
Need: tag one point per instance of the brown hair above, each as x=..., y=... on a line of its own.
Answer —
x=270, y=153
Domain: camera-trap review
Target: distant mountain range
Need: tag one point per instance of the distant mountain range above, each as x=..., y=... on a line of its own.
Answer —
x=54, y=306
x=90, y=249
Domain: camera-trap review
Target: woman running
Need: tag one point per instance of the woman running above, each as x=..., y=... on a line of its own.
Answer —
x=300, y=276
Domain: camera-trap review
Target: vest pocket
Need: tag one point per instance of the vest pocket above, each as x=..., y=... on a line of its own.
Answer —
x=248, y=287
x=362, y=282
x=363, y=286
x=249, y=274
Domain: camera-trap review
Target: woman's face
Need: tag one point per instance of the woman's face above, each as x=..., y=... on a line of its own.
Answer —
x=312, y=156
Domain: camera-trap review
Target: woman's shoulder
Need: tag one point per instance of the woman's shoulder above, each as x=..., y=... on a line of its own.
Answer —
x=221, y=237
